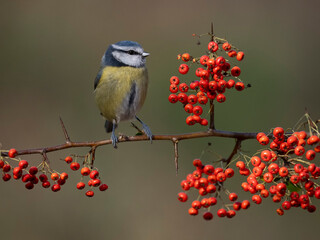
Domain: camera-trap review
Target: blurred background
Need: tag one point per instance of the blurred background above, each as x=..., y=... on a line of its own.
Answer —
x=50, y=54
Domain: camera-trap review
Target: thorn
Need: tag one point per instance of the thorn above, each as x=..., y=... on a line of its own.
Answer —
x=64, y=131
x=176, y=154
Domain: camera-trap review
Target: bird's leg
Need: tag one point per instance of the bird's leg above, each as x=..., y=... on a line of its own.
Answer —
x=145, y=128
x=114, y=139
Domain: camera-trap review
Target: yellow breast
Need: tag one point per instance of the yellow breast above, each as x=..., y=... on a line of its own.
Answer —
x=121, y=92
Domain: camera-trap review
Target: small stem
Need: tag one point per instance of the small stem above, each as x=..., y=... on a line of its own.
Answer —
x=176, y=154
x=64, y=131
x=234, y=151
x=211, y=115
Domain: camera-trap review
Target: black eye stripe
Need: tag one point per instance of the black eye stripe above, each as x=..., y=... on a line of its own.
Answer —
x=132, y=52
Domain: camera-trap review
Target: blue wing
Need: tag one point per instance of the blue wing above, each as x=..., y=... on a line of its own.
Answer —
x=96, y=81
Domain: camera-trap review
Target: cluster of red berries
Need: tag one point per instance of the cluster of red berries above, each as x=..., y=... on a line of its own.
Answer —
x=94, y=179
x=32, y=175
x=213, y=81
x=208, y=182
x=282, y=172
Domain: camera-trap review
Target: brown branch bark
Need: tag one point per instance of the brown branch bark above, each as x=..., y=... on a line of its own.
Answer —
x=174, y=137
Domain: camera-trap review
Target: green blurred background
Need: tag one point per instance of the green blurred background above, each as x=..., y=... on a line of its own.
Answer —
x=50, y=53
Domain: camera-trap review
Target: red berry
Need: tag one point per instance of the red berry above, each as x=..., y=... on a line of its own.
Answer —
x=193, y=211
x=245, y=204
x=29, y=185
x=182, y=197
x=55, y=176
x=264, y=140
x=226, y=46
x=220, y=61
x=268, y=177
x=235, y=71
x=81, y=185
x=313, y=139
x=43, y=178
x=221, y=177
x=196, y=204
x=192, y=99
x=229, y=172
x=237, y=206
x=299, y=150
x=64, y=176
x=280, y=211
x=204, y=59
x=173, y=88
x=197, y=110
x=174, y=80
x=6, y=168
x=182, y=97
x=230, y=83
x=46, y=184
x=103, y=187
x=190, y=121
x=278, y=132
x=68, y=159
x=173, y=98
x=264, y=193
x=310, y=155
x=96, y=182
x=204, y=122
x=240, y=56
x=266, y=155
x=94, y=174
x=183, y=87
x=33, y=170
x=23, y=164
x=185, y=57
x=283, y=172
x=213, y=46
x=89, y=193
x=55, y=188
x=240, y=165
x=233, y=197
x=6, y=177
x=232, y=53
x=12, y=153
x=75, y=166
x=239, y=85
x=231, y=213
x=222, y=212
x=221, y=98
x=207, y=216
x=255, y=161
x=183, y=68
x=85, y=171
x=256, y=199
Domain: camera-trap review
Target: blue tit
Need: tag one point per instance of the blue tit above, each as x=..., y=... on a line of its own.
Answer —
x=120, y=87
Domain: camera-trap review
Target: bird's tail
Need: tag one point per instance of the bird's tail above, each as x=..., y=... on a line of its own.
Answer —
x=109, y=126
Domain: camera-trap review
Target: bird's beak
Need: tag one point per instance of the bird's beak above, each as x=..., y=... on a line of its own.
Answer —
x=145, y=54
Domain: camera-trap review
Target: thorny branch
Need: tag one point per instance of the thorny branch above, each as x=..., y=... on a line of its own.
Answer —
x=175, y=138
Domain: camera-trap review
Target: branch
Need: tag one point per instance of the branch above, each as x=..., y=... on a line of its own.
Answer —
x=234, y=151
x=176, y=137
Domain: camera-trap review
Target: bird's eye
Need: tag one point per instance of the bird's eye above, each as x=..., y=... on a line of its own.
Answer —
x=131, y=52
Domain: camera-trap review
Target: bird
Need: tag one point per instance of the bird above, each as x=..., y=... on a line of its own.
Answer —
x=120, y=87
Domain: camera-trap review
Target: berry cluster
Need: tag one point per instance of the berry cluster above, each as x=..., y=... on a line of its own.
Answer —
x=43, y=173
x=284, y=171
x=208, y=183
x=216, y=75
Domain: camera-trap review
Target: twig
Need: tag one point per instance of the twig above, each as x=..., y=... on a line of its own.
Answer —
x=234, y=151
x=176, y=154
x=64, y=131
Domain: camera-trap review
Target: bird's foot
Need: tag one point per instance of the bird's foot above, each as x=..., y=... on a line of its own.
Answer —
x=145, y=129
x=114, y=140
